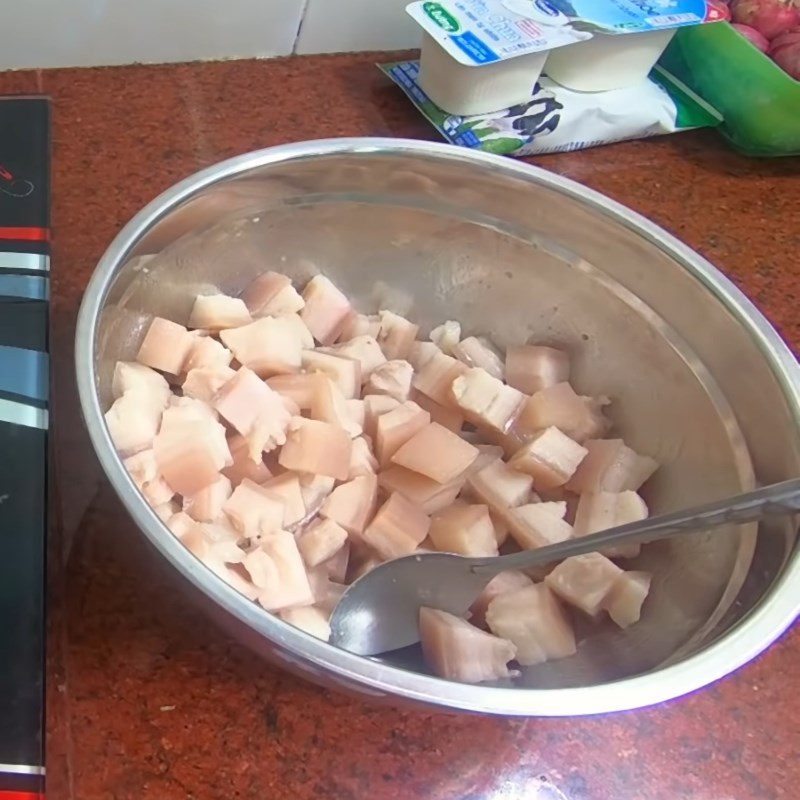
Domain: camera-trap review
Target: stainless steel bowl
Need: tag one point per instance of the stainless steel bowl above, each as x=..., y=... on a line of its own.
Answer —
x=699, y=379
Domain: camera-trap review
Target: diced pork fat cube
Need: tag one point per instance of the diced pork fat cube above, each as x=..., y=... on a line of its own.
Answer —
x=133, y=421
x=429, y=495
x=206, y=505
x=502, y=583
x=458, y=651
x=487, y=454
x=374, y=406
x=289, y=586
x=628, y=593
x=300, y=388
x=147, y=383
x=269, y=346
x=392, y=378
x=584, y=581
x=165, y=346
x=357, y=324
x=475, y=351
x=398, y=528
x=357, y=413
x=143, y=470
x=365, y=350
x=191, y=454
x=580, y=418
x=294, y=323
x=344, y=372
x=511, y=441
x=394, y=428
x=599, y=511
x=330, y=405
x=352, y=504
x=326, y=309
x=466, y=530
x=317, y=447
x=286, y=488
x=314, y=489
x=396, y=335
x=446, y=336
x=500, y=487
x=362, y=559
x=485, y=401
x=272, y=295
x=207, y=353
x=203, y=383
x=437, y=453
x=550, y=458
x=217, y=311
x=310, y=619
x=362, y=462
x=611, y=466
x=191, y=533
x=420, y=353
x=531, y=368
x=253, y=510
x=501, y=529
x=166, y=510
x=533, y=620
x=448, y=416
x=336, y=565
x=243, y=466
x=436, y=376
x=538, y=524
x=320, y=541
x=187, y=409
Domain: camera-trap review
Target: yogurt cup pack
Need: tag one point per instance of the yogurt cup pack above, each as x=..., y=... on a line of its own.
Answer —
x=480, y=56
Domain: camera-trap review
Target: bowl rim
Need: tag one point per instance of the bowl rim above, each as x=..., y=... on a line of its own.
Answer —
x=750, y=636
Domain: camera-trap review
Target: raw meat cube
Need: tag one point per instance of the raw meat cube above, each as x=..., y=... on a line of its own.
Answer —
x=344, y=372
x=314, y=489
x=272, y=295
x=302, y=388
x=392, y=378
x=206, y=505
x=207, y=352
x=329, y=405
x=217, y=311
x=435, y=452
x=165, y=346
x=500, y=487
x=362, y=559
x=394, y=428
x=624, y=601
x=147, y=383
x=466, y=530
x=336, y=565
x=531, y=368
x=253, y=510
x=289, y=586
x=326, y=309
x=365, y=350
x=133, y=421
x=352, y=504
x=502, y=583
x=357, y=324
x=584, y=581
x=446, y=336
x=532, y=619
x=550, y=458
x=318, y=447
x=191, y=534
x=478, y=352
x=243, y=466
x=294, y=323
x=599, y=511
x=435, y=377
x=501, y=529
x=310, y=619
x=420, y=353
x=538, y=524
x=611, y=466
x=427, y=494
x=202, y=383
x=269, y=346
x=580, y=418
x=166, y=510
x=362, y=462
x=356, y=412
x=374, y=406
x=486, y=401
x=143, y=470
x=321, y=541
x=398, y=528
x=487, y=454
x=447, y=416
x=286, y=488
x=396, y=335
x=458, y=651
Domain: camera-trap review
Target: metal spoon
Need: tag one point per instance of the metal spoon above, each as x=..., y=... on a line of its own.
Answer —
x=379, y=612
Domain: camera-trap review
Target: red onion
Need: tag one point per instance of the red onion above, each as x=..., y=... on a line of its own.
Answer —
x=768, y=17
x=753, y=36
x=785, y=51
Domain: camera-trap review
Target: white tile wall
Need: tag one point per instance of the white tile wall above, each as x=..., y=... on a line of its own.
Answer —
x=331, y=26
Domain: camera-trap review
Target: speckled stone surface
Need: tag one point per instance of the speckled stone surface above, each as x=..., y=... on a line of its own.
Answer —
x=147, y=700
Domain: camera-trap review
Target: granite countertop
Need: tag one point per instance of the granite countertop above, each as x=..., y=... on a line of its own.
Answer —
x=147, y=699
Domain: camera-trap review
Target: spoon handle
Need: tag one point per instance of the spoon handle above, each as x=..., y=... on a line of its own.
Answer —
x=776, y=499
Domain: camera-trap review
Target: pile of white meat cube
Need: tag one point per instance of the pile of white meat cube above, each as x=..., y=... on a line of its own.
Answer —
x=292, y=444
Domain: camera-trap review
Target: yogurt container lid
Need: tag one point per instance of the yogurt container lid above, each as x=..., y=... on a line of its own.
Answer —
x=477, y=32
